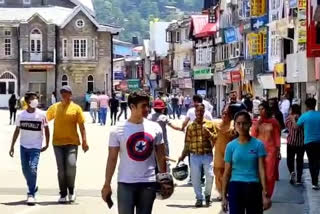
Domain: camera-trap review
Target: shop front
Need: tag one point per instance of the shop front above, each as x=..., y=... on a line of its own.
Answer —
x=203, y=82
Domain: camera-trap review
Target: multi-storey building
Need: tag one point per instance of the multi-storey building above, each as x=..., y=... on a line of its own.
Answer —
x=50, y=43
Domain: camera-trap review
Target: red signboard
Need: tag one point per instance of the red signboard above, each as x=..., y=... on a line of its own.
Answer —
x=235, y=76
x=313, y=43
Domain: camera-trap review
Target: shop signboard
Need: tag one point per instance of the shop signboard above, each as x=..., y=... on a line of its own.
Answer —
x=118, y=75
x=279, y=77
x=230, y=35
x=218, y=78
x=259, y=22
x=293, y=3
x=317, y=67
x=236, y=76
x=248, y=70
x=202, y=74
x=227, y=77
x=220, y=66
x=302, y=32
x=181, y=83
x=133, y=84
x=188, y=83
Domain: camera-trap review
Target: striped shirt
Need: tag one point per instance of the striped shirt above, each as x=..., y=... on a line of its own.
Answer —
x=295, y=136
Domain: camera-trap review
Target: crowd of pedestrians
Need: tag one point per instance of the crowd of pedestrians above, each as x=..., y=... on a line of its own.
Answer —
x=242, y=149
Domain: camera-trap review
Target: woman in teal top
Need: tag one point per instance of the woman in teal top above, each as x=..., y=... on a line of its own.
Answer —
x=244, y=173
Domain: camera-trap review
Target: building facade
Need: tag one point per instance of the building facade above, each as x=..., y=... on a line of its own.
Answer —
x=48, y=44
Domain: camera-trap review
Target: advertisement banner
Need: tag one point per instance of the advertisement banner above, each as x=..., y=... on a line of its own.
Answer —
x=259, y=22
x=302, y=32
x=235, y=76
x=279, y=77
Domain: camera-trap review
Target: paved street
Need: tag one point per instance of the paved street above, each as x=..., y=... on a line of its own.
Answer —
x=90, y=177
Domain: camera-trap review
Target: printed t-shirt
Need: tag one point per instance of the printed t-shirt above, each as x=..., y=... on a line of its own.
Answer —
x=244, y=159
x=137, y=150
x=31, y=128
x=65, y=124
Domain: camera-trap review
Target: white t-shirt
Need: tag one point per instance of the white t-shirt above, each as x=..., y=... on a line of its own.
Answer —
x=31, y=128
x=191, y=114
x=137, y=150
x=93, y=101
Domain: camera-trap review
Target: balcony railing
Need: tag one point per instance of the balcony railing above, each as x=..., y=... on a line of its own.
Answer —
x=44, y=57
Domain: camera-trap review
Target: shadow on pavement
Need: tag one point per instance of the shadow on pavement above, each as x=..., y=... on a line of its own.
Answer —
x=43, y=203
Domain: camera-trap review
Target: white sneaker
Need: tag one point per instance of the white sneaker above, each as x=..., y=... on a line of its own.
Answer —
x=62, y=200
x=31, y=200
x=315, y=187
x=72, y=198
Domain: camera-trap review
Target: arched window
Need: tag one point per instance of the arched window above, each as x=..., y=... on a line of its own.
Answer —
x=90, y=83
x=64, y=80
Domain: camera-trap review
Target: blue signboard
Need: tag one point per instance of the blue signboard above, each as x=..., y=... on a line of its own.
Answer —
x=230, y=35
x=119, y=75
x=259, y=22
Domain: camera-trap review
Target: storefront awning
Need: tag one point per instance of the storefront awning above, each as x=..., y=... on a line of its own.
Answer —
x=207, y=31
x=267, y=81
x=198, y=23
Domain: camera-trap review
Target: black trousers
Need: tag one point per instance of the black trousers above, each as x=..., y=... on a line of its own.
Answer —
x=13, y=113
x=113, y=115
x=295, y=153
x=245, y=198
x=123, y=109
x=313, y=153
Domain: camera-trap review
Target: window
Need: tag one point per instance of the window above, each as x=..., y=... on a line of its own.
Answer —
x=64, y=80
x=1, y=1
x=178, y=36
x=93, y=48
x=26, y=1
x=7, y=47
x=7, y=32
x=64, y=48
x=80, y=23
x=80, y=48
x=169, y=37
x=90, y=83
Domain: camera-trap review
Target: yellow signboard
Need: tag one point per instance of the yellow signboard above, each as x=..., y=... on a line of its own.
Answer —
x=279, y=77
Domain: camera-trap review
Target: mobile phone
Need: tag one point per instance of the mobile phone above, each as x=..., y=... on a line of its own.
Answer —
x=109, y=201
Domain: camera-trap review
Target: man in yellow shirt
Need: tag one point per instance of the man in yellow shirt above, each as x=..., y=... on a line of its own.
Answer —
x=200, y=139
x=67, y=116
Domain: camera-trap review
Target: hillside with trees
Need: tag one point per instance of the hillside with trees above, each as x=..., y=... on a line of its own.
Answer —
x=134, y=16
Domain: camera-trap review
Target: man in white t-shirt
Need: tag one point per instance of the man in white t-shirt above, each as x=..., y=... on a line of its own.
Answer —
x=191, y=114
x=30, y=125
x=138, y=143
x=94, y=100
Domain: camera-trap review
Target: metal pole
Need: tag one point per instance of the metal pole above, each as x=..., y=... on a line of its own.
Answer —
x=115, y=34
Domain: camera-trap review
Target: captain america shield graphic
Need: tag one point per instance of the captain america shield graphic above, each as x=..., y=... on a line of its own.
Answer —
x=140, y=146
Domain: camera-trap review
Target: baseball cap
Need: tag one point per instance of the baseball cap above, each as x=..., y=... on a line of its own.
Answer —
x=159, y=104
x=66, y=88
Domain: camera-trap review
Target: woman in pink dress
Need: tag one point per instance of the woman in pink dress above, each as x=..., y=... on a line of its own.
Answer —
x=267, y=129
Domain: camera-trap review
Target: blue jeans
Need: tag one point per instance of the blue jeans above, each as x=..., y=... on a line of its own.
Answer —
x=137, y=196
x=29, y=163
x=103, y=116
x=199, y=162
x=93, y=113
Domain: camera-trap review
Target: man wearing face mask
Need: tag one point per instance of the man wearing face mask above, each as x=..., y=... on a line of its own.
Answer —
x=31, y=123
x=67, y=116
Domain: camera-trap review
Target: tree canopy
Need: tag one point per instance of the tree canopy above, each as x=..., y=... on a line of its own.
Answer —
x=134, y=16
